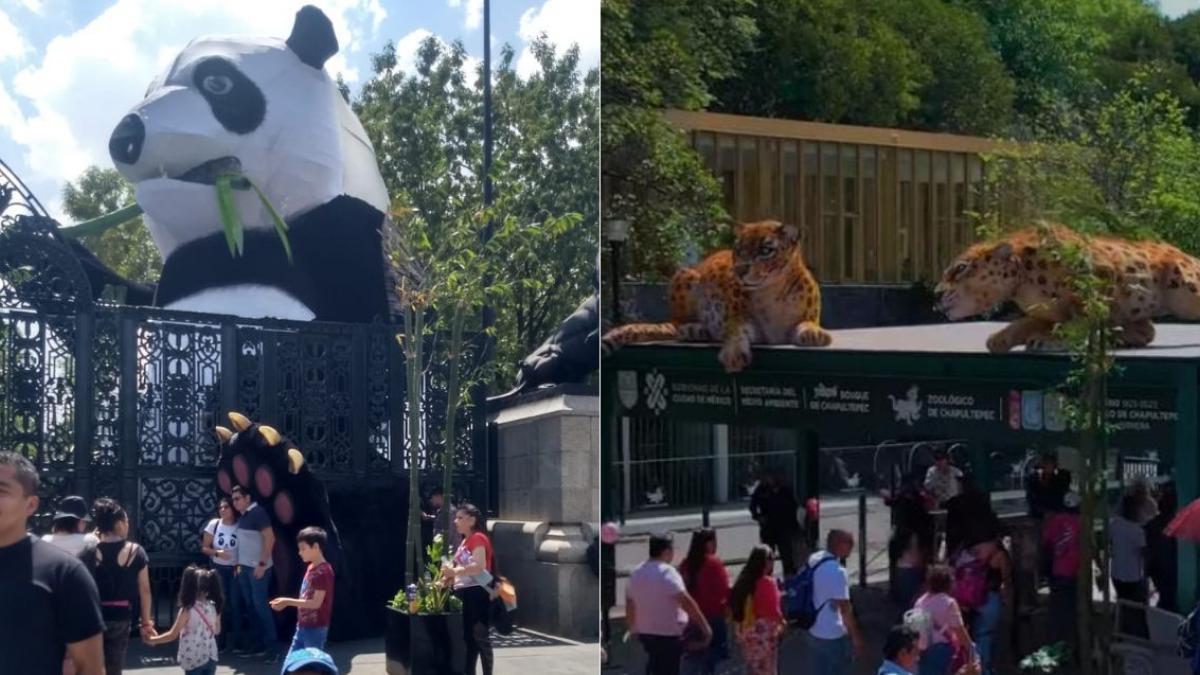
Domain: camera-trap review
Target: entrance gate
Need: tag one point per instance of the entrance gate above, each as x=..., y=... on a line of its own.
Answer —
x=120, y=401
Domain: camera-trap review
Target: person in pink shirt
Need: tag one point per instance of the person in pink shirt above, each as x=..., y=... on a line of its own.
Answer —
x=707, y=582
x=1060, y=540
x=754, y=605
x=944, y=633
x=658, y=608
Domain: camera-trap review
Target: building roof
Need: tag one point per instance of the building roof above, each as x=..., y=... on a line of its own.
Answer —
x=1173, y=341
x=822, y=131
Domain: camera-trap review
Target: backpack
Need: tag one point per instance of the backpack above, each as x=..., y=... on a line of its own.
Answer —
x=799, y=596
x=970, y=582
x=1187, y=637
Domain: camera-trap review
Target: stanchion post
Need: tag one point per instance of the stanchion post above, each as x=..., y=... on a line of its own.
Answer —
x=862, y=539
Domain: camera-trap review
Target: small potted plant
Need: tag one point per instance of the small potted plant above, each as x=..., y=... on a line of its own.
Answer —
x=1048, y=660
x=424, y=624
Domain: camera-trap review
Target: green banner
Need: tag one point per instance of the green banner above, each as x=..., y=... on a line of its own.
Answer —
x=890, y=407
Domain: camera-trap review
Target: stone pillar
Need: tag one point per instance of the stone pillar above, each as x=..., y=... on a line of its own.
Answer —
x=548, y=451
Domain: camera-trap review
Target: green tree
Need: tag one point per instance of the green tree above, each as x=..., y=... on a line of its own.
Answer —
x=825, y=60
x=427, y=131
x=547, y=148
x=1185, y=40
x=441, y=288
x=968, y=89
x=1130, y=167
x=126, y=248
x=915, y=63
x=651, y=61
x=1048, y=47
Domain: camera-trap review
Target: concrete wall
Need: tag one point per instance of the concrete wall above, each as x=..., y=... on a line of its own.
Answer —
x=549, y=492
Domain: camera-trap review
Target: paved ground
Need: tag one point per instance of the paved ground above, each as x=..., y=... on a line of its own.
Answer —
x=522, y=653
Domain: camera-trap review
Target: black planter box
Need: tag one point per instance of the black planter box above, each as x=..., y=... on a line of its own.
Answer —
x=424, y=644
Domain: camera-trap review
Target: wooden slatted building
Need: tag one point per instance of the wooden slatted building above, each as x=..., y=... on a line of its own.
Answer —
x=877, y=206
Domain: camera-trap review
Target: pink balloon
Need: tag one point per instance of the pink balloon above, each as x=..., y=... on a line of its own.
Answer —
x=609, y=533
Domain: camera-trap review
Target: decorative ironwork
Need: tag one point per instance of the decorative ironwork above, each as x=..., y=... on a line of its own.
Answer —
x=179, y=371
x=250, y=371
x=379, y=436
x=106, y=389
x=172, y=512
x=37, y=267
x=38, y=399
x=119, y=401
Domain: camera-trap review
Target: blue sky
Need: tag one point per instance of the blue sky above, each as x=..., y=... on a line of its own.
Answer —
x=1174, y=8
x=70, y=69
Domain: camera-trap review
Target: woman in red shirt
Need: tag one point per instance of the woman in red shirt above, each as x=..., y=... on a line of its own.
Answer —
x=757, y=617
x=471, y=570
x=707, y=582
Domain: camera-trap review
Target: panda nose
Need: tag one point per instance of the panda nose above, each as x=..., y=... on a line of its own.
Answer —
x=125, y=145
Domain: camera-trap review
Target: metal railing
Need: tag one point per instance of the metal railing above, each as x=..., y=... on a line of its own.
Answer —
x=671, y=466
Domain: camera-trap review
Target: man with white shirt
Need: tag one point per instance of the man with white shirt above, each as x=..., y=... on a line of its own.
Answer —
x=658, y=606
x=835, y=631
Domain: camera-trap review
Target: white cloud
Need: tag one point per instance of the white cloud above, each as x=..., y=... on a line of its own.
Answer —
x=473, y=12
x=87, y=80
x=406, y=50
x=34, y=6
x=12, y=43
x=565, y=23
x=406, y=53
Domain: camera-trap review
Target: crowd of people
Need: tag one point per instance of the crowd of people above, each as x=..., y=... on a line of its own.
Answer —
x=953, y=586
x=71, y=599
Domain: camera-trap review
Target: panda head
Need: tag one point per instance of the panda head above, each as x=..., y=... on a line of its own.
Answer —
x=263, y=107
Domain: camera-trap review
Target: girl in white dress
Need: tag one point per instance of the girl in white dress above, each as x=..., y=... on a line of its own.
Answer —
x=198, y=623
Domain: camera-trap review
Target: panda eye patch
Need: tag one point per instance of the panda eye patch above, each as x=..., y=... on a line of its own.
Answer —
x=236, y=101
x=218, y=85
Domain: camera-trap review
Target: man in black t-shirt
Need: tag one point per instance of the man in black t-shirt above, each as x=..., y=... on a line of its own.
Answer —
x=49, y=606
x=773, y=505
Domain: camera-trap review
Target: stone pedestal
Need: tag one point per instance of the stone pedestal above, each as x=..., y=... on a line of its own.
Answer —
x=548, y=453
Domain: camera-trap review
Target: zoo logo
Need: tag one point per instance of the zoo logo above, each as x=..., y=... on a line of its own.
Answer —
x=656, y=391
x=907, y=409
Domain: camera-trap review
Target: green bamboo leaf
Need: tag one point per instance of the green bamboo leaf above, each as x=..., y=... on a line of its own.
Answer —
x=229, y=217
x=281, y=227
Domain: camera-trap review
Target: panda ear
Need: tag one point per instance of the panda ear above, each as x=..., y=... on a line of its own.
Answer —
x=312, y=37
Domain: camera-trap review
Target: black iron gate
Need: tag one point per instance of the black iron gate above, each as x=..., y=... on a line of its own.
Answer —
x=120, y=401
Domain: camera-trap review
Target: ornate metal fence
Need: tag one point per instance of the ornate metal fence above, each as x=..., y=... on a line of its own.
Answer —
x=120, y=401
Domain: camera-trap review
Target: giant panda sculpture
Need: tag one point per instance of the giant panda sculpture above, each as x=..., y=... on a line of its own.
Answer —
x=265, y=108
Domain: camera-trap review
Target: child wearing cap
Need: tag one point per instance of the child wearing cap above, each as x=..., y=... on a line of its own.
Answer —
x=309, y=662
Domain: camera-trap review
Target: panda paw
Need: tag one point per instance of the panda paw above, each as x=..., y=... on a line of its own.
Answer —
x=265, y=462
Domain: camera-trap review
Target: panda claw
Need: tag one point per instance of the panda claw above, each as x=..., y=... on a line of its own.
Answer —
x=295, y=460
x=239, y=421
x=269, y=434
x=223, y=434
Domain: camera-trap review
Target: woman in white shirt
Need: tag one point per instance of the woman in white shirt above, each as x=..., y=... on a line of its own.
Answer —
x=220, y=545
